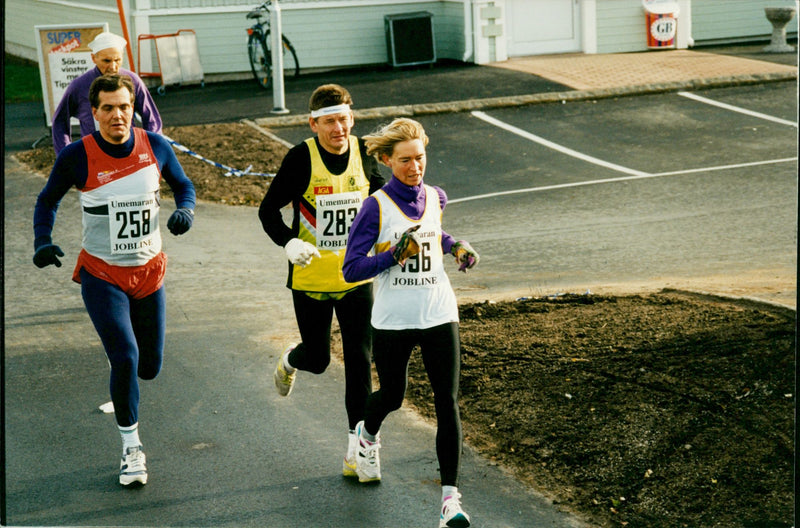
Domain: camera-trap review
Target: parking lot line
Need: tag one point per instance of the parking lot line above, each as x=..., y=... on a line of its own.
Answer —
x=552, y=187
x=555, y=146
x=726, y=167
x=737, y=109
x=633, y=174
x=620, y=179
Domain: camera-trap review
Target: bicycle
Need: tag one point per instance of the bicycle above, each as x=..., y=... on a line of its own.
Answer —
x=259, y=49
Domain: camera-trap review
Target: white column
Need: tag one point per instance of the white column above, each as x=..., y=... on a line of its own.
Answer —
x=276, y=31
x=683, y=38
x=489, y=34
x=589, y=26
x=141, y=26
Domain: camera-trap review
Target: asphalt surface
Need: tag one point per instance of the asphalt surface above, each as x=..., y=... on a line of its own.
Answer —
x=371, y=88
x=223, y=449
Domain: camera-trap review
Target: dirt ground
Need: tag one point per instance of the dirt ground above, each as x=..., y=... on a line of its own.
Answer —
x=234, y=145
x=665, y=409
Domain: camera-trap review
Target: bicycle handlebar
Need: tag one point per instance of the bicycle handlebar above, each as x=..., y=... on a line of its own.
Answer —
x=256, y=11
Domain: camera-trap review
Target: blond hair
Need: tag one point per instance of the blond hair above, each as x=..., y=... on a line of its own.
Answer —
x=383, y=140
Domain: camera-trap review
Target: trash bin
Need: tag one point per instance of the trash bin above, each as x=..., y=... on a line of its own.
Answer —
x=662, y=23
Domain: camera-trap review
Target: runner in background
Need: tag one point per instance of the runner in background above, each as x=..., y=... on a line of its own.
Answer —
x=107, y=52
x=325, y=179
x=398, y=238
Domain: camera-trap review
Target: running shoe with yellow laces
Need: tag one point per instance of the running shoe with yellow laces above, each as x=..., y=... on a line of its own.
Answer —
x=284, y=380
x=132, y=467
x=452, y=515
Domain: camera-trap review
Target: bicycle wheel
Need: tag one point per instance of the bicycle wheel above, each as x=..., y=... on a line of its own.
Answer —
x=260, y=60
x=291, y=66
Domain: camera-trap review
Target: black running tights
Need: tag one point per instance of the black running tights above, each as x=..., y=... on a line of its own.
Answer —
x=440, y=348
x=313, y=355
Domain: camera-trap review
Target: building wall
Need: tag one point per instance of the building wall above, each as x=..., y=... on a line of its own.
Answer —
x=324, y=33
x=22, y=15
x=338, y=33
x=221, y=39
x=734, y=20
x=449, y=28
x=621, y=27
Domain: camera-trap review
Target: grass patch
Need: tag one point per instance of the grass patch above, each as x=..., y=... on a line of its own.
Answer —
x=21, y=78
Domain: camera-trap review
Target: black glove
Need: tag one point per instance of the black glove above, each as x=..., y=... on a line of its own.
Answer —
x=180, y=221
x=46, y=255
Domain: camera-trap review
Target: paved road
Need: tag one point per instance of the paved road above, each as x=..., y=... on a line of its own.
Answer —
x=689, y=196
x=223, y=449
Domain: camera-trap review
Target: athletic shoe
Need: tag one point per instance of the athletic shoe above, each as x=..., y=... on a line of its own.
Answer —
x=368, y=460
x=132, y=468
x=284, y=381
x=349, y=463
x=452, y=515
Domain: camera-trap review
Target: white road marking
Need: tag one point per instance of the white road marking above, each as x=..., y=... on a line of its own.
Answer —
x=634, y=174
x=620, y=179
x=555, y=146
x=736, y=109
x=726, y=167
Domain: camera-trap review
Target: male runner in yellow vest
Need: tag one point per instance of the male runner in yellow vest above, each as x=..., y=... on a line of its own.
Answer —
x=326, y=179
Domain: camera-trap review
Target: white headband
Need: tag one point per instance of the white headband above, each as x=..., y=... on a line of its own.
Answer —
x=328, y=110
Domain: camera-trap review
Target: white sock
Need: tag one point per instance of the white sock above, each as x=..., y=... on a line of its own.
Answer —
x=286, y=365
x=449, y=491
x=130, y=436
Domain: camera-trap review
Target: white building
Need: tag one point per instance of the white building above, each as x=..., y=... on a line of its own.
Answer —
x=340, y=33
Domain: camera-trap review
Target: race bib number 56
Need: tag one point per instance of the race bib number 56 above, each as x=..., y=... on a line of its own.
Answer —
x=133, y=223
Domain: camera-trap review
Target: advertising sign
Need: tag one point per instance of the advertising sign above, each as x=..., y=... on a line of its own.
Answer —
x=64, y=54
x=662, y=23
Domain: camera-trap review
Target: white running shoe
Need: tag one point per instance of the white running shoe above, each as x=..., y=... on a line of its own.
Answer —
x=452, y=515
x=368, y=460
x=284, y=381
x=132, y=467
x=349, y=463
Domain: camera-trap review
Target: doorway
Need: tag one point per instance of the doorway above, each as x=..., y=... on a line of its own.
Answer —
x=538, y=27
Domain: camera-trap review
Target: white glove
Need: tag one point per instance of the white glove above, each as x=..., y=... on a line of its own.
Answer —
x=300, y=252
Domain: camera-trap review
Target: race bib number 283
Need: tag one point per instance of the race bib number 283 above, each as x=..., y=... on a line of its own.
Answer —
x=335, y=215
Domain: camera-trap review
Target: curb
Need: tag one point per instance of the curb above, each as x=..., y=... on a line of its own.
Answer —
x=787, y=310
x=539, y=98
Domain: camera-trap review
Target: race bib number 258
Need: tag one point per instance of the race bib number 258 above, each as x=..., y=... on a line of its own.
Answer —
x=133, y=222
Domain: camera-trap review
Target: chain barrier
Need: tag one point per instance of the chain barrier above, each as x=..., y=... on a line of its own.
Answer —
x=230, y=170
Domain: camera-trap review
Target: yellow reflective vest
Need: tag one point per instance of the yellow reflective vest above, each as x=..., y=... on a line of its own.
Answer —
x=329, y=206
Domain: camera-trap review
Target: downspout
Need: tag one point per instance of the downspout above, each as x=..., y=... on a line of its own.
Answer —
x=469, y=48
